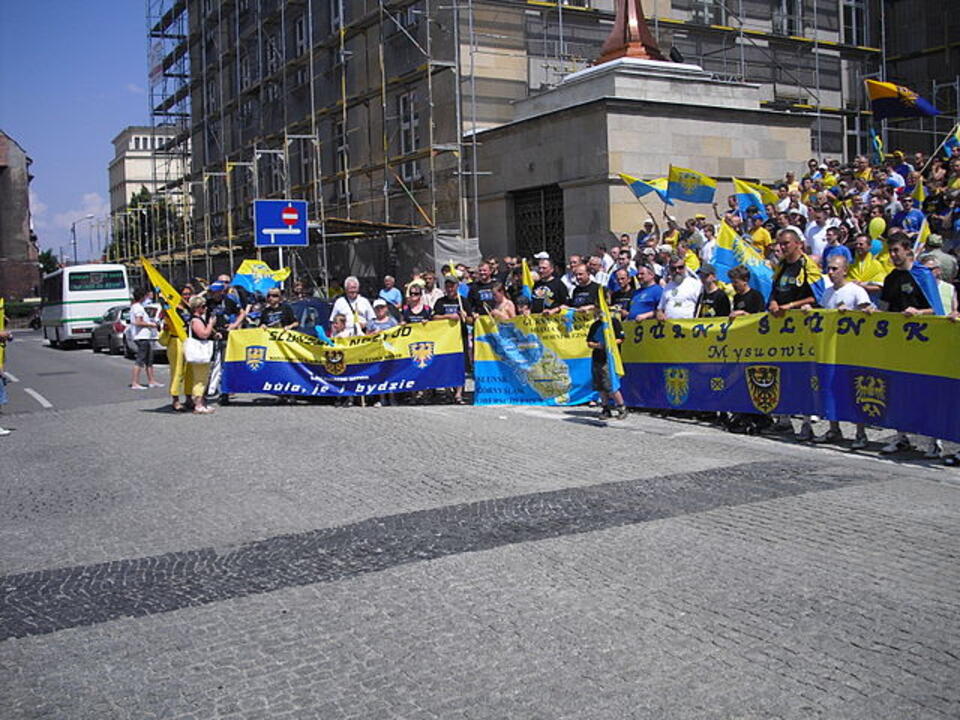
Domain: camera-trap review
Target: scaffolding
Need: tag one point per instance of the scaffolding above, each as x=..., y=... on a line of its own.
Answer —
x=371, y=109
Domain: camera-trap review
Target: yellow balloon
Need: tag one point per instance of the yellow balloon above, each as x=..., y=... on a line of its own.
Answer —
x=876, y=227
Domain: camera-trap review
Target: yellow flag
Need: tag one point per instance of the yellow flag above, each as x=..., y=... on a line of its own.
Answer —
x=526, y=280
x=919, y=193
x=921, y=242
x=609, y=338
x=169, y=296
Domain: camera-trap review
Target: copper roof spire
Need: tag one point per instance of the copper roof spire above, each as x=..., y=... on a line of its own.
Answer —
x=630, y=36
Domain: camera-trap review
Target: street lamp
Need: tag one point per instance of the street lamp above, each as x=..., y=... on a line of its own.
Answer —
x=73, y=233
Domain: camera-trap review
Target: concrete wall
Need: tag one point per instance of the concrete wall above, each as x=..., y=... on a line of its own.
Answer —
x=19, y=275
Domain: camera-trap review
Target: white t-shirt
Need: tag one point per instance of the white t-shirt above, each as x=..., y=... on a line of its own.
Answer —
x=851, y=296
x=361, y=305
x=139, y=311
x=680, y=301
x=706, y=252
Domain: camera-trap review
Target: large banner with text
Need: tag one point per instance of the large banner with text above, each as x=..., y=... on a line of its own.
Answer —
x=880, y=369
x=404, y=359
x=533, y=360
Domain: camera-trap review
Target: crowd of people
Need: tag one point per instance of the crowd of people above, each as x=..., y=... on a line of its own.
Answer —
x=863, y=225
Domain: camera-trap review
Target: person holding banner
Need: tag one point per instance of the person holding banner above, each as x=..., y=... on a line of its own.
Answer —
x=353, y=306
x=681, y=296
x=454, y=307
x=175, y=351
x=603, y=381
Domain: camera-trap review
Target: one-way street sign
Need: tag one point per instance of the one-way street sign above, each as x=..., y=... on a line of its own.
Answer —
x=280, y=223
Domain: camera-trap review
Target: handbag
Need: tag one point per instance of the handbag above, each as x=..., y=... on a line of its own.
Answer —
x=196, y=351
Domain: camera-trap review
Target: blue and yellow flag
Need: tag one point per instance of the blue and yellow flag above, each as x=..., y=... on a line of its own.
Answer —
x=731, y=251
x=641, y=188
x=614, y=361
x=922, y=236
x=919, y=193
x=748, y=197
x=690, y=186
x=168, y=298
x=258, y=277
x=888, y=100
x=953, y=140
x=526, y=280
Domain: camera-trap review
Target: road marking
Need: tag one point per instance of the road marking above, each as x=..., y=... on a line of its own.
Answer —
x=11, y=377
x=39, y=398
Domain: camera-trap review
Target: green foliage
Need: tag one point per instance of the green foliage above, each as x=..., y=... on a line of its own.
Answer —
x=48, y=262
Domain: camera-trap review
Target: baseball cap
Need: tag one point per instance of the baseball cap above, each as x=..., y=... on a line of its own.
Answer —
x=648, y=221
x=379, y=302
x=542, y=255
x=699, y=216
x=451, y=279
x=664, y=248
x=649, y=251
x=216, y=286
x=934, y=240
x=707, y=269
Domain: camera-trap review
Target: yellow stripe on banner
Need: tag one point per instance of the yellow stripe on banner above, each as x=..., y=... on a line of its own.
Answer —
x=924, y=345
x=393, y=344
x=551, y=330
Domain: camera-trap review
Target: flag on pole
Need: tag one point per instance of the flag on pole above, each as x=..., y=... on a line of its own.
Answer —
x=748, y=197
x=526, y=280
x=614, y=361
x=888, y=100
x=168, y=297
x=919, y=193
x=690, y=186
x=645, y=187
x=876, y=145
x=257, y=277
x=922, y=236
x=953, y=140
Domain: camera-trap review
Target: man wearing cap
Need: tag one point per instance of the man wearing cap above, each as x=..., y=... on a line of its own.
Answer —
x=647, y=236
x=901, y=165
x=549, y=291
x=713, y=300
x=947, y=262
x=646, y=299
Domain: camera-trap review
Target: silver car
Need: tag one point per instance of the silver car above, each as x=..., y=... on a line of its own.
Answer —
x=108, y=334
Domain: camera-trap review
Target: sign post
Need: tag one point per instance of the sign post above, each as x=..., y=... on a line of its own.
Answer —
x=279, y=224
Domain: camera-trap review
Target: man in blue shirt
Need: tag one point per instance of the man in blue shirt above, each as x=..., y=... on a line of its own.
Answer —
x=910, y=219
x=645, y=300
x=835, y=247
x=390, y=292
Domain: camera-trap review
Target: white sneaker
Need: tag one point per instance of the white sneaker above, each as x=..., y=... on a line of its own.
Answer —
x=4, y=432
x=138, y=387
x=934, y=451
x=899, y=444
x=155, y=384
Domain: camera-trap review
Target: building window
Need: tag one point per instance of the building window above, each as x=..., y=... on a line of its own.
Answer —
x=300, y=77
x=342, y=160
x=706, y=12
x=855, y=22
x=274, y=54
x=409, y=134
x=299, y=36
x=273, y=91
x=788, y=18
x=136, y=142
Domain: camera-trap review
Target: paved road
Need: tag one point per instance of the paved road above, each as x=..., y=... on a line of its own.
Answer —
x=459, y=562
x=47, y=378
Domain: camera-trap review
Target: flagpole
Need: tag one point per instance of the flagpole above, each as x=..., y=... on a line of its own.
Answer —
x=936, y=152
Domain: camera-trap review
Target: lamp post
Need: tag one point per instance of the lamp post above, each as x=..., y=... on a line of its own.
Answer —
x=73, y=234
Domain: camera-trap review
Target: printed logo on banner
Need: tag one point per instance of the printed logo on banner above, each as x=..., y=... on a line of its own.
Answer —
x=334, y=363
x=421, y=353
x=870, y=395
x=763, y=382
x=717, y=384
x=256, y=356
x=677, y=383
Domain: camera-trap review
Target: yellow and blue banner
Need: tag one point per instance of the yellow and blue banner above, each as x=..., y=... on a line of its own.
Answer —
x=533, y=360
x=641, y=188
x=889, y=100
x=614, y=361
x=690, y=186
x=408, y=358
x=881, y=369
x=526, y=280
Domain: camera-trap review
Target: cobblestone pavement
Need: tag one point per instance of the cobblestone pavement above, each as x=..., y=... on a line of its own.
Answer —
x=320, y=563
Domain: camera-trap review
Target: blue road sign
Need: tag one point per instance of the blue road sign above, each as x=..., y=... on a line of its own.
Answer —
x=280, y=223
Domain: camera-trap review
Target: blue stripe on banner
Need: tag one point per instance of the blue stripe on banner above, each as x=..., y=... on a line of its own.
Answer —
x=498, y=384
x=294, y=378
x=882, y=398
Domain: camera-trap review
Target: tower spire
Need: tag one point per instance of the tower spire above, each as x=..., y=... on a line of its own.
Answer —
x=630, y=36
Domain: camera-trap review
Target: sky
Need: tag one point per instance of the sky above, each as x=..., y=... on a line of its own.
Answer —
x=72, y=76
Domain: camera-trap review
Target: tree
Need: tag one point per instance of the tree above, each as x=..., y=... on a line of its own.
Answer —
x=48, y=262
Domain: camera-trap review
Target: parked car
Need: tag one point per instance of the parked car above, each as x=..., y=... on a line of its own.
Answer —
x=108, y=333
x=114, y=334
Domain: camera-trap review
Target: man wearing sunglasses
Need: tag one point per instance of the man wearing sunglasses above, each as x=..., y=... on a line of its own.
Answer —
x=276, y=313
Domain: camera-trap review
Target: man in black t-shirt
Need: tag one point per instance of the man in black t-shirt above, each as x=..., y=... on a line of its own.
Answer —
x=901, y=293
x=454, y=307
x=746, y=300
x=549, y=291
x=277, y=314
x=481, y=291
x=585, y=294
x=713, y=300
x=791, y=286
x=622, y=294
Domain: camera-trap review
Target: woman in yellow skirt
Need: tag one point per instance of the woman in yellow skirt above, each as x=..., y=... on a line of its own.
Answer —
x=175, y=353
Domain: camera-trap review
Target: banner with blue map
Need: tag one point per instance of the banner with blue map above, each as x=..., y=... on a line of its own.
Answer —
x=533, y=360
x=407, y=358
x=880, y=369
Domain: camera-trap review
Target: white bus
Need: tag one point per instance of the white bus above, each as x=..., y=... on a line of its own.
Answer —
x=75, y=299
